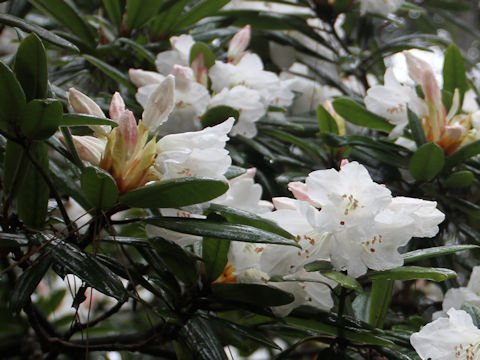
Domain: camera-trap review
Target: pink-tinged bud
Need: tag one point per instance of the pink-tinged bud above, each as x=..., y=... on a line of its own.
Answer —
x=128, y=130
x=284, y=203
x=343, y=162
x=82, y=104
x=251, y=172
x=184, y=77
x=160, y=104
x=89, y=148
x=299, y=190
x=239, y=43
x=200, y=71
x=141, y=78
x=117, y=107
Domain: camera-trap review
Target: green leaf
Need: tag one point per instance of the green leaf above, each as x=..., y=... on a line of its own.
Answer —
x=141, y=50
x=41, y=118
x=31, y=67
x=112, y=72
x=214, y=254
x=413, y=273
x=343, y=279
x=326, y=122
x=34, y=192
x=257, y=294
x=361, y=306
x=99, y=188
x=177, y=260
x=140, y=11
x=12, y=98
x=234, y=171
x=416, y=128
x=459, y=179
x=87, y=268
x=69, y=16
x=201, y=340
x=163, y=22
x=40, y=31
x=208, y=57
x=114, y=11
x=380, y=297
x=427, y=162
x=201, y=10
x=237, y=216
x=26, y=284
x=462, y=154
x=474, y=312
x=318, y=265
x=216, y=230
x=219, y=114
x=422, y=254
x=453, y=75
x=14, y=169
x=85, y=120
x=175, y=193
x=358, y=115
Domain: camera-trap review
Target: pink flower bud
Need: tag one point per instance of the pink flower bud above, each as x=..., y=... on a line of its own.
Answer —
x=344, y=162
x=141, y=78
x=160, y=104
x=82, y=104
x=200, y=71
x=128, y=130
x=183, y=77
x=117, y=107
x=239, y=43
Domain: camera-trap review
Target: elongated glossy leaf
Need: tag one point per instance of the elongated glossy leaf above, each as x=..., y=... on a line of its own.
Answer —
x=112, y=72
x=326, y=122
x=34, y=192
x=114, y=11
x=201, y=10
x=69, y=16
x=87, y=268
x=12, y=240
x=178, y=261
x=234, y=171
x=212, y=229
x=344, y=280
x=175, y=193
x=208, y=57
x=237, y=216
x=380, y=297
x=422, y=254
x=427, y=162
x=357, y=114
x=163, y=22
x=219, y=114
x=416, y=128
x=361, y=306
x=27, y=283
x=12, y=98
x=31, y=67
x=201, y=340
x=464, y=205
x=85, y=120
x=214, y=254
x=462, y=154
x=41, y=32
x=141, y=50
x=99, y=188
x=140, y=11
x=15, y=166
x=252, y=293
x=41, y=118
x=453, y=75
x=414, y=272
x=459, y=179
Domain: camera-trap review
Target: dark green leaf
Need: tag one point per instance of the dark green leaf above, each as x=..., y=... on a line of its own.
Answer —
x=219, y=114
x=141, y=50
x=69, y=16
x=87, y=268
x=208, y=57
x=14, y=169
x=459, y=179
x=453, y=75
x=41, y=118
x=28, y=282
x=318, y=265
x=234, y=171
x=357, y=114
x=99, y=188
x=416, y=128
x=220, y=230
x=422, y=254
x=114, y=11
x=31, y=67
x=12, y=98
x=201, y=10
x=41, y=32
x=380, y=297
x=34, y=192
x=361, y=306
x=175, y=193
x=427, y=162
x=214, y=254
x=237, y=216
x=85, y=120
x=201, y=340
x=413, y=273
x=140, y=11
x=112, y=72
x=257, y=294
x=462, y=154
x=163, y=22
x=344, y=280
x=326, y=122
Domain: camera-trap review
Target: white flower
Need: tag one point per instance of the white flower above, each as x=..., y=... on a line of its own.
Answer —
x=449, y=338
x=179, y=55
x=456, y=297
x=249, y=105
x=382, y=7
